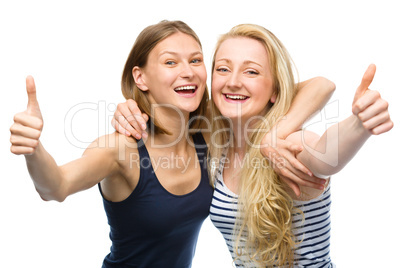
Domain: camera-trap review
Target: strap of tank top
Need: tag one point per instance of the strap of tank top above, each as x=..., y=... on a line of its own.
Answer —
x=200, y=144
x=142, y=150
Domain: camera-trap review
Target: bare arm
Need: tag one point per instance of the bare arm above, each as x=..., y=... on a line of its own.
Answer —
x=311, y=96
x=328, y=154
x=54, y=182
x=51, y=181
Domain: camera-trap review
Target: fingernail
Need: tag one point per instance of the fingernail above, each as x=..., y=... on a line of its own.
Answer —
x=137, y=136
x=127, y=134
x=144, y=135
x=144, y=127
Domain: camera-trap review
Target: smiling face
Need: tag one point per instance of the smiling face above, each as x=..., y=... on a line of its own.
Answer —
x=242, y=84
x=175, y=73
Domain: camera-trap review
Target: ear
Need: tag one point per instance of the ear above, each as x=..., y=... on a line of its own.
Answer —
x=273, y=98
x=138, y=76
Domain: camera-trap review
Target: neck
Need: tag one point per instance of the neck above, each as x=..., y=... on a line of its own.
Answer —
x=240, y=138
x=177, y=125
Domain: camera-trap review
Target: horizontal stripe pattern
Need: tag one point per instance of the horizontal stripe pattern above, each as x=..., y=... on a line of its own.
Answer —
x=312, y=232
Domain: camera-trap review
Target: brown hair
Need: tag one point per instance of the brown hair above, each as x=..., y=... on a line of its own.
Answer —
x=145, y=42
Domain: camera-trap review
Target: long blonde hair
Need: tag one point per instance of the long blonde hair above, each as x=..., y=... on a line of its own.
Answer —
x=264, y=221
x=145, y=42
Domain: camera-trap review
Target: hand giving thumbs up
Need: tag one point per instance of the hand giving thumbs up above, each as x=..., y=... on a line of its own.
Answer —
x=27, y=127
x=369, y=107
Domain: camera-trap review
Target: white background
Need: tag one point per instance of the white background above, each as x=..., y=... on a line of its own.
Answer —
x=76, y=51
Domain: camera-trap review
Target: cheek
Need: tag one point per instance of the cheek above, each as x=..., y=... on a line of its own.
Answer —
x=215, y=92
x=217, y=83
x=203, y=75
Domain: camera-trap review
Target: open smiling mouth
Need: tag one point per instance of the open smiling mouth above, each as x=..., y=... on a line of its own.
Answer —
x=235, y=97
x=186, y=89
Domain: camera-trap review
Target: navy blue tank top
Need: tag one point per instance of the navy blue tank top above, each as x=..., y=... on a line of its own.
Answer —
x=153, y=227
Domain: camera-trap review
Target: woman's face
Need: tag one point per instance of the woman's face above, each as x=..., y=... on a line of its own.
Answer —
x=175, y=73
x=242, y=83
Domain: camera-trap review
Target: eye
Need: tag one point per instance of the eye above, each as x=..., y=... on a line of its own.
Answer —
x=222, y=69
x=252, y=72
x=196, y=61
x=170, y=62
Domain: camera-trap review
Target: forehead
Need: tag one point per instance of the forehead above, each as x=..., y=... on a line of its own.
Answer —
x=242, y=48
x=177, y=43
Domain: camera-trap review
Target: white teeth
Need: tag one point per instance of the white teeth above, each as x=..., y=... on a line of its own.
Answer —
x=235, y=97
x=185, y=88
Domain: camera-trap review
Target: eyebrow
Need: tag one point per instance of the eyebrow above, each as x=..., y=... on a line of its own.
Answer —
x=244, y=62
x=176, y=53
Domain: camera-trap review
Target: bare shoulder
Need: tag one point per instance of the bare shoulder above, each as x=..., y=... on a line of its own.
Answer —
x=113, y=142
x=119, y=185
x=113, y=149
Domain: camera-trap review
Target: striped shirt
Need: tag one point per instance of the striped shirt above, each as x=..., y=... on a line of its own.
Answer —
x=313, y=232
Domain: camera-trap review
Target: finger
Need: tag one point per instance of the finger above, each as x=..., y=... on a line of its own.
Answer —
x=269, y=153
x=295, y=148
x=20, y=130
x=376, y=120
x=31, y=91
x=295, y=163
x=132, y=105
x=18, y=150
x=128, y=127
x=28, y=121
x=387, y=126
x=116, y=125
x=119, y=128
x=310, y=181
x=126, y=119
x=366, y=81
x=295, y=188
x=23, y=141
x=275, y=157
x=119, y=121
x=373, y=105
x=287, y=170
x=303, y=179
x=370, y=98
x=146, y=117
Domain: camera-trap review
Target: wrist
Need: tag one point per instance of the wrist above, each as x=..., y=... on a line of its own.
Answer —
x=359, y=128
x=283, y=128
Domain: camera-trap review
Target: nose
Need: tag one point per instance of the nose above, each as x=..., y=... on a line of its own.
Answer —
x=234, y=81
x=187, y=71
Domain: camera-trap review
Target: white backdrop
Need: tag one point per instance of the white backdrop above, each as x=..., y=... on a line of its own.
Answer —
x=76, y=51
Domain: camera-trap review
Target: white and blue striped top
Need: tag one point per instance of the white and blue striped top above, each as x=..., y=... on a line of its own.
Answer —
x=314, y=231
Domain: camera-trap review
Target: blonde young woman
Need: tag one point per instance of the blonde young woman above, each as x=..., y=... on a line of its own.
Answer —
x=154, y=214
x=264, y=223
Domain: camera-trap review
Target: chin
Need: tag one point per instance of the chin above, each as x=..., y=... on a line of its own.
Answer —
x=230, y=116
x=189, y=109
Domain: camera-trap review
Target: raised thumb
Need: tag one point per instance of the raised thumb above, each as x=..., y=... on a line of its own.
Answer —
x=33, y=104
x=366, y=81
